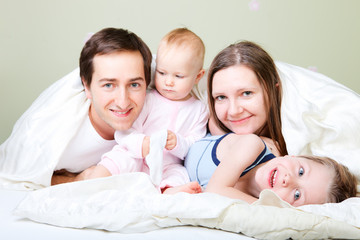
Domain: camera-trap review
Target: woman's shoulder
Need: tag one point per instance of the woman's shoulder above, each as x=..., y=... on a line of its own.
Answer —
x=243, y=138
x=241, y=142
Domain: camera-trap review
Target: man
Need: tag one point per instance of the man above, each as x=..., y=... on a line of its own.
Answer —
x=68, y=133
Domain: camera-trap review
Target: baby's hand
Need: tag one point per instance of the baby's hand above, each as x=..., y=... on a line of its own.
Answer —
x=170, y=141
x=146, y=146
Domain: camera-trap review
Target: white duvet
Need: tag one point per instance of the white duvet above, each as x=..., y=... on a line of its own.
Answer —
x=319, y=117
x=130, y=203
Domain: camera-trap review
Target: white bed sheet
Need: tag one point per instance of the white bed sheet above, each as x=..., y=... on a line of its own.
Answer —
x=13, y=227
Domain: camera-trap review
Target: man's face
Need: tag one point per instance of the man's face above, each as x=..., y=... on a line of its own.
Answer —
x=117, y=91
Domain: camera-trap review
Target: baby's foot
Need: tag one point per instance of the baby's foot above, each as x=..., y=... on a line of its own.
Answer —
x=191, y=187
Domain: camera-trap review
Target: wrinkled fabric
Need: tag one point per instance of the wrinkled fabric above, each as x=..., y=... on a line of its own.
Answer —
x=130, y=203
x=29, y=156
x=320, y=116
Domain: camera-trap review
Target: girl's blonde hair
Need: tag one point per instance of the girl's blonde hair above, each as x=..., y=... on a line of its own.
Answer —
x=344, y=183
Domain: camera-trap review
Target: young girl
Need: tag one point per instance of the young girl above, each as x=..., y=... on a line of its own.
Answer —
x=171, y=106
x=241, y=166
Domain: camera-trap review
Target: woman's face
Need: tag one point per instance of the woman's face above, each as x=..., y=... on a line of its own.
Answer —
x=239, y=100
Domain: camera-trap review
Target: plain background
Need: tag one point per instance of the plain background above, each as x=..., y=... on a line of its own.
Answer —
x=40, y=40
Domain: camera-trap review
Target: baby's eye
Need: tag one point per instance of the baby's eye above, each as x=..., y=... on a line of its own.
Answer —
x=297, y=195
x=301, y=171
x=160, y=72
x=179, y=76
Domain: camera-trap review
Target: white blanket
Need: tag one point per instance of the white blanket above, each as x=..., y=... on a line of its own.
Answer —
x=29, y=156
x=320, y=116
x=130, y=203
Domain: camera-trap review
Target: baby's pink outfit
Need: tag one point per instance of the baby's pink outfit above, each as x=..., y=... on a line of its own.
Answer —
x=187, y=119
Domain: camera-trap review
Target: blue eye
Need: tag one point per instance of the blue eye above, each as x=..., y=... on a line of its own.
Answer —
x=220, y=98
x=108, y=85
x=135, y=85
x=247, y=93
x=301, y=171
x=297, y=195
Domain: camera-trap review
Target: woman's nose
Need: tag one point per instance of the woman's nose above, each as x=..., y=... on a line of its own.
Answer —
x=235, y=108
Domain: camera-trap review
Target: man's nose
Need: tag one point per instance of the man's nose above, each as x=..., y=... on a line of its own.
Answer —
x=121, y=98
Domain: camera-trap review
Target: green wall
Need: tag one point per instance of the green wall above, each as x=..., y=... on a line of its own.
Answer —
x=40, y=40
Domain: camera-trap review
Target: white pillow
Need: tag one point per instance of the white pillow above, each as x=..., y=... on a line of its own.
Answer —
x=320, y=116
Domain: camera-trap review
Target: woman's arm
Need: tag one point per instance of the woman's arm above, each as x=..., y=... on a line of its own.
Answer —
x=236, y=153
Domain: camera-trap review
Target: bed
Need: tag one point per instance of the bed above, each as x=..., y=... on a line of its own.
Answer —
x=320, y=116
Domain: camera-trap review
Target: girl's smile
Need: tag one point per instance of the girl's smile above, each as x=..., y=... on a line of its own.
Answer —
x=272, y=178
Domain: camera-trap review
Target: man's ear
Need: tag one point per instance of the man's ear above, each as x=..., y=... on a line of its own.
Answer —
x=87, y=89
x=199, y=76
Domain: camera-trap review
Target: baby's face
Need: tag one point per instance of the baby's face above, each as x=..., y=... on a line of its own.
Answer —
x=296, y=180
x=177, y=72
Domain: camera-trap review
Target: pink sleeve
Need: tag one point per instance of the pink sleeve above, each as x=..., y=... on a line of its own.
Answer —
x=195, y=132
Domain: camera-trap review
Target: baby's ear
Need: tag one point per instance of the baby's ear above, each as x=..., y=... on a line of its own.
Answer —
x=199, y=76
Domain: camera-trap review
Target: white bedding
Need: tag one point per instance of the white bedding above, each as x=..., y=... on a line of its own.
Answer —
x=319, y=117
x=16, y=228
x=130, y=203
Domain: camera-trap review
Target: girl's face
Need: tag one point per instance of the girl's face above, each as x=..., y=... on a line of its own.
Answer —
x=296, y=180
x=239, y=100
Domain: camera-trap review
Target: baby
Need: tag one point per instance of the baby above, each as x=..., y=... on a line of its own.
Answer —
x=173, y=106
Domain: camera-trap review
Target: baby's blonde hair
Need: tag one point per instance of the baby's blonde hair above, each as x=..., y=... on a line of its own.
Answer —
x=183, y=37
